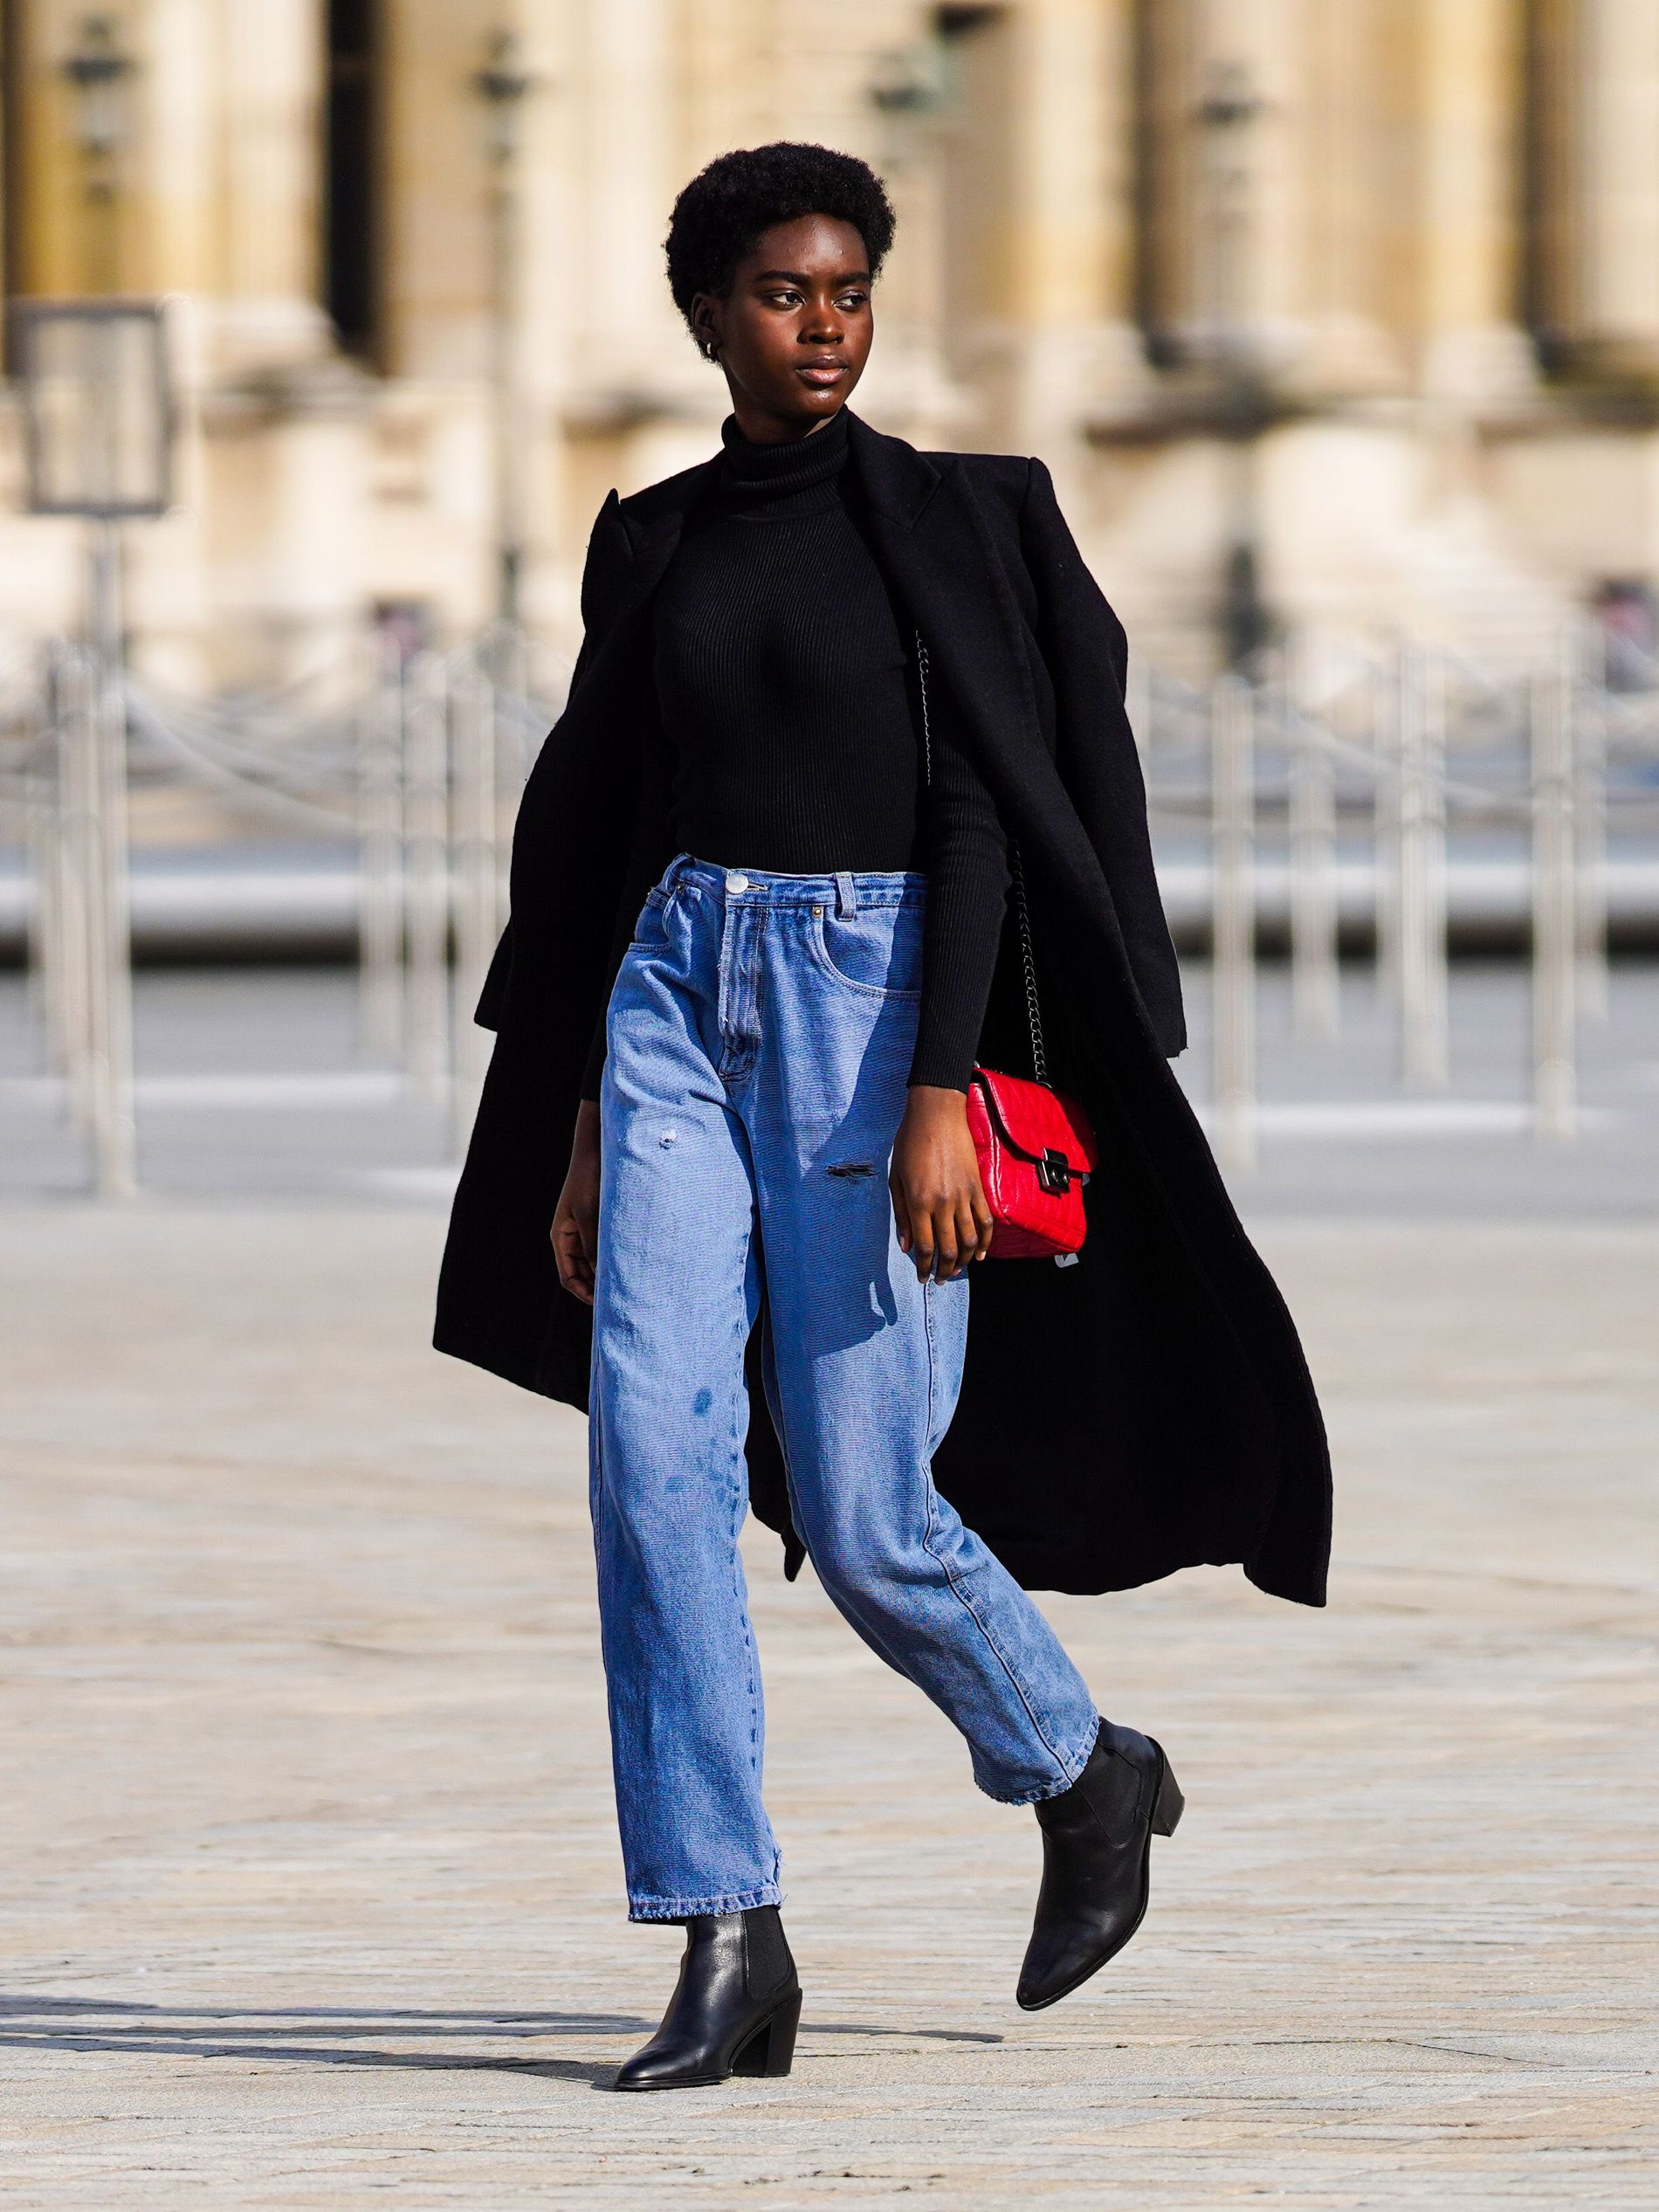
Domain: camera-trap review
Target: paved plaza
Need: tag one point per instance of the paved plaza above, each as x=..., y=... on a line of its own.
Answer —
x=312, y=1894
x=313, y=1890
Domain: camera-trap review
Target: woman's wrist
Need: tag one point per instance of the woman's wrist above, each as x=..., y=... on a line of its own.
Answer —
x=585, y=1137
x=937, y=1098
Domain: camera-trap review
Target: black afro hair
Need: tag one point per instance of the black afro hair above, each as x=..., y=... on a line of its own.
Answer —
x=726, y=207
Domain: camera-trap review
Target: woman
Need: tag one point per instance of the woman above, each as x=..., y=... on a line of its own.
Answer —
x=760, y=939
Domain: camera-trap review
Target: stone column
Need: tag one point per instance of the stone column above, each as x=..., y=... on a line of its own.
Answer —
x=1223, y=224
x=265, y=238
x=625, y=128
x=1268, y=39
x=1343, y=186
x=179, y=95
x=1467, y=69
x=1071, y=219
x=1616, y=229
x=222, y=176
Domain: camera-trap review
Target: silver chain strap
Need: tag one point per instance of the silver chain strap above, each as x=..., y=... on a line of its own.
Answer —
x=1028, y=959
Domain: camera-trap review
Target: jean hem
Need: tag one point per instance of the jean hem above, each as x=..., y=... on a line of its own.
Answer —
x=1070, y=1770
x=686, y=1908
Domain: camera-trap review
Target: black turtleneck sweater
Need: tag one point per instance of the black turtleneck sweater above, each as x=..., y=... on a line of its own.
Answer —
x=786, y=735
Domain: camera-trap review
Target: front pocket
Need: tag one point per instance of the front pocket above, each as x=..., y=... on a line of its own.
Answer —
x=878, y=950
x=651, y=930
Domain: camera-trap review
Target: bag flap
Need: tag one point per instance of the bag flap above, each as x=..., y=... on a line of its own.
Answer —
x=1036, y=1120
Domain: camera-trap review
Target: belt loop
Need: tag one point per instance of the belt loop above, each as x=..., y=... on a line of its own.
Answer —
x=846, y=894
x=675, y=869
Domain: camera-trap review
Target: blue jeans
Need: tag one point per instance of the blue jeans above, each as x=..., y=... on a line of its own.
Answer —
x=759, y=1041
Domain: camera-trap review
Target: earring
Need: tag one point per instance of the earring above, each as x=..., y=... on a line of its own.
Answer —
x=711, y=351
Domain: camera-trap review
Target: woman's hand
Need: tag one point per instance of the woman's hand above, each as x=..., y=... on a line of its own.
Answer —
x=939, y=1202
x=575, y=1218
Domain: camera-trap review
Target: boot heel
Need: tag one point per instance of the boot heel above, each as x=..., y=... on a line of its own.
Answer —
x=770, y=2049
x=1166, y=1816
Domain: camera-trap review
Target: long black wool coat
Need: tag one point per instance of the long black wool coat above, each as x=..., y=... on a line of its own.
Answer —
x=1146, y=1410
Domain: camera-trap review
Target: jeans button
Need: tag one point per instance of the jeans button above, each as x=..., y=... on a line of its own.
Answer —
x=737, y=882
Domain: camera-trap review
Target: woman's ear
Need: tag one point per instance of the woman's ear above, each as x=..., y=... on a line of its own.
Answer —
x=705, y=326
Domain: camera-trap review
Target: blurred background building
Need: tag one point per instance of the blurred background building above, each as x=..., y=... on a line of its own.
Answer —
x=1337, y=320
x=1323, y=311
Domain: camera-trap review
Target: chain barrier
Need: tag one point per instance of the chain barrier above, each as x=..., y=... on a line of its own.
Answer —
x=1569, y=756
x=418, y=760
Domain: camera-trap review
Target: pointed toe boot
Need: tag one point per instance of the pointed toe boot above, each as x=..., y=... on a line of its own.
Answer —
x=1096, y=1854
x=734, y=2010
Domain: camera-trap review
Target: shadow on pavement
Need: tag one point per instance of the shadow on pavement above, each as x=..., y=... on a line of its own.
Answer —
x=206, y=2031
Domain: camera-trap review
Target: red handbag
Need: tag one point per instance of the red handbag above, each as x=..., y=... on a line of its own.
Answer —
x=1036, y=1152
x=1036, y=1147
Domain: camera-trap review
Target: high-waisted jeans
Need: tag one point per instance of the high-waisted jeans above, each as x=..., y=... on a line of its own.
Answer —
x=759, y=1040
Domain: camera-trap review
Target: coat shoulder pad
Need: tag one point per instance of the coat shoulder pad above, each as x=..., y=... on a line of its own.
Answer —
x=1002, y=478
x=669, y=496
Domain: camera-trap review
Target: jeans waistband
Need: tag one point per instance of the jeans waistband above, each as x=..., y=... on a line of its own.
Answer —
x=845, y=890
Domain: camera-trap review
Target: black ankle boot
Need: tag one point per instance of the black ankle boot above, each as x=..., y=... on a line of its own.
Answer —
x=1097, y=1855
x=734, y=2008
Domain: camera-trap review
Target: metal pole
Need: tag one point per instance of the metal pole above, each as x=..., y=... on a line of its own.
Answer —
x=1590, y=731
x=1232, y=867
x=510, y=677
x=44, y=817
x=380, y=842
x=1425, y=1044
x=427, y=816
x=1392, y=710
x=109, y=946
x=473, y=737
x=74, y=866
x=1316, y=988
x=1554, y=905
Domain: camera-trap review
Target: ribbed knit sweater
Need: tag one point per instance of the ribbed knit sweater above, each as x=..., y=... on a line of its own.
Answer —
x=787, y=729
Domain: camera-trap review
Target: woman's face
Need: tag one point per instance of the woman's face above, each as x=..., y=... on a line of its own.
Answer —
x=794, y=332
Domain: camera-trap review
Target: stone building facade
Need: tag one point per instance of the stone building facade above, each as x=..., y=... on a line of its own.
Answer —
x=1342, y=312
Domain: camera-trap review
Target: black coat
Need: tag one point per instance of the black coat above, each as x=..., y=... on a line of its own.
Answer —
x=1146, y=1410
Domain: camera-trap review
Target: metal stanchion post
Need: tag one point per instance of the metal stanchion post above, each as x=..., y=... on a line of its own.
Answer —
x=109, y=934
x=1555, y=905
x=426, y=744
x=1393, y=707
x=1590, y=733
x=74, y=902
x=1425, y=1045
x=380, y=843
x=508, y=669
x=1316, y=995
x=1233, y=960
x=473, y=727
x=47, y=844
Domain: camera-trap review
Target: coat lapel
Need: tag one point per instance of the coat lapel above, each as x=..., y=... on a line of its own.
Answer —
x=939, y=554
x=943, y=560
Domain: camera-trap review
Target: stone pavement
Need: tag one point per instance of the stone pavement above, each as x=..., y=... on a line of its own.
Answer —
x=250, y=1087
x=310, y=1896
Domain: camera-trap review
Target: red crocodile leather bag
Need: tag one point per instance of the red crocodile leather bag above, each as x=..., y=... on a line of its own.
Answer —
x=1035, y=1146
